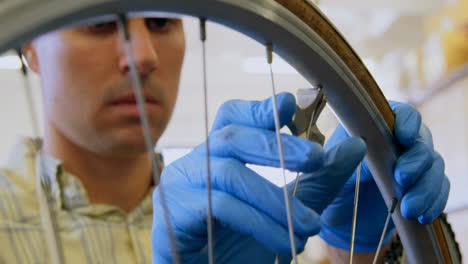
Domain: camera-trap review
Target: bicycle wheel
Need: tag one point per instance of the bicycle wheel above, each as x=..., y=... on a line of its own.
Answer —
x=303, y=37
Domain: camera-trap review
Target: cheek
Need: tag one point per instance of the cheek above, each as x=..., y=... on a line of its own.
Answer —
x=59, y=83
x=176, y=60
x=69, y=75
x=172, y=55
x=171, y=52
x=52, y=74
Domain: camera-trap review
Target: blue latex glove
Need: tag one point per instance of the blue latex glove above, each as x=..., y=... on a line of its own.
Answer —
x=250, y=224
x=420, y=173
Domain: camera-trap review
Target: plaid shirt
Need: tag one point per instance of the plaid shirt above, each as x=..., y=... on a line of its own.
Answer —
x=90, y=233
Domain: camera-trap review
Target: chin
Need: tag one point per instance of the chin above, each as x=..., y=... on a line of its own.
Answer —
x=126, y=148
x=134, y=143
x=128, y=138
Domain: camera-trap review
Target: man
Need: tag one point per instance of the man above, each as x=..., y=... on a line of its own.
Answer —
x=101, y=175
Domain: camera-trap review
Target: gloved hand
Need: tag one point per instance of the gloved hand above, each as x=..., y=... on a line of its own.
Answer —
x=420, y=173
x=250, y=224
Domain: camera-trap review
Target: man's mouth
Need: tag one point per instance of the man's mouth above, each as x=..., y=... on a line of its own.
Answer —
x=132, y=100
x=127, y=105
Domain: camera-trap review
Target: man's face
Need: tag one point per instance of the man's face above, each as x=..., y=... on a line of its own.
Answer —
x=85, y=77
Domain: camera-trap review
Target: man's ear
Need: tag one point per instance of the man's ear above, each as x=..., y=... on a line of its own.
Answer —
x=29, y=52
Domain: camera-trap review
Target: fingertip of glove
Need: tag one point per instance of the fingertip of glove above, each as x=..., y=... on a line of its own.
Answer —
x=438, y=206
x=413, y=164
x=428, y=217
x=263, y=111
x=402, y=177
x=314, y=158
x=410, y=208
x=348, y=152
x=286, y=98
x=286, y=107
x=360, y=145
x=425, y=220
x=407, y=123
x=357, y=146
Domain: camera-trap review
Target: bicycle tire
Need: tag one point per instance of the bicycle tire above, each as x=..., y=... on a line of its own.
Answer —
x=303, y=37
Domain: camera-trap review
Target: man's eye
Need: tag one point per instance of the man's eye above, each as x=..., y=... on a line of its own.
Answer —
x=106, y=27
x=158, y=24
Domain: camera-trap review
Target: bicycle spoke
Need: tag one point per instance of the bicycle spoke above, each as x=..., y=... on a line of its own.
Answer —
x=209, y=219
x=281, y=154
x=48, y=220
x=29, y=95
x=356, y=202
x=387, y=221
x=122, y=23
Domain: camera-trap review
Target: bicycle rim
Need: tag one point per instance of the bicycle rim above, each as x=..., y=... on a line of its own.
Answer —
x=304, y=38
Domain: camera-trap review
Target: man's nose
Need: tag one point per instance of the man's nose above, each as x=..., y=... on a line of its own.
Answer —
x=143, y=48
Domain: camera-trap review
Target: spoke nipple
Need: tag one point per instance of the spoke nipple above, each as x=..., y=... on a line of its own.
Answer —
x=122, y=21
x=394, y=204
x=24, y=69
x=203, y=28
x=269, y=47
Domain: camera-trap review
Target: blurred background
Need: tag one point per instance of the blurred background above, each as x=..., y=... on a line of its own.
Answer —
x=417, y=51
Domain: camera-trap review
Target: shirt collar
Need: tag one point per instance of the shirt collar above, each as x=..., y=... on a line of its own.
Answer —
x=67, y=191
